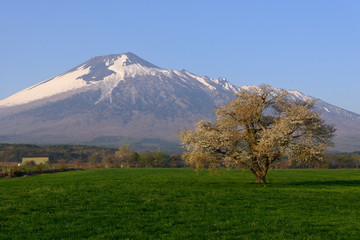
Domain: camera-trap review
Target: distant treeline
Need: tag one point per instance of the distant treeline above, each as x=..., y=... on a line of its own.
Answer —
x=342, y=160
x=126, y=157
x=104, y=157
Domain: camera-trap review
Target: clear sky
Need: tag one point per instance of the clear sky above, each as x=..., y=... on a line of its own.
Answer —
x=308, y=45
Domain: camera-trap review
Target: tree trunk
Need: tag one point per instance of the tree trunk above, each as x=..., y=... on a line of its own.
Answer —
x=259, y=174
x=260, y=178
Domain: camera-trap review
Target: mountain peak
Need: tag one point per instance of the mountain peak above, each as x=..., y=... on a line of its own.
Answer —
x=131, y=58
x=103, y=66
x=122, y=59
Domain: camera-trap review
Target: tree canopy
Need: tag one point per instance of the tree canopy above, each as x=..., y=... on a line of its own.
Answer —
x=259, y=127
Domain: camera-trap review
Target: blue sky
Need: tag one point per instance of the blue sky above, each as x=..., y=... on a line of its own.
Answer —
x=310, y=45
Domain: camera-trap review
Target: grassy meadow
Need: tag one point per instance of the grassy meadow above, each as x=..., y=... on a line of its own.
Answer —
x=181, y=204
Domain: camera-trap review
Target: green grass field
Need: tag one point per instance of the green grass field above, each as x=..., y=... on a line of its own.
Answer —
x=181, y=204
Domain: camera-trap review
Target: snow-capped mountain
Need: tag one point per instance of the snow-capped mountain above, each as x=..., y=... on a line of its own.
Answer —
x=123, y=96
x=106, y=73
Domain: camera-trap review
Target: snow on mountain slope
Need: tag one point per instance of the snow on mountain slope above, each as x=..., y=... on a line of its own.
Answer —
x=62, y=83
x=124, y=70
x=293, y=94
